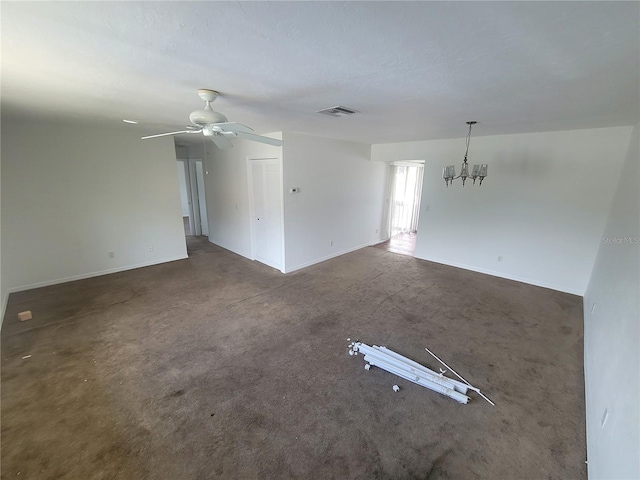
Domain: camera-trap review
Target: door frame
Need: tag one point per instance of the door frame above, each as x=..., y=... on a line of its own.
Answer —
x=390, y=189
x=194, y=195
x=202, y=195
x=249, y=159
x=187, y=181
x=194, y=206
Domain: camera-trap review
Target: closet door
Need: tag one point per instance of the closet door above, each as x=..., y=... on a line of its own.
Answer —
x=266, y=203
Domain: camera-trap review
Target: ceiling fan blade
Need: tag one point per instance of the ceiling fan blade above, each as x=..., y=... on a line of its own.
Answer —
x=148, y=124
x=232, y=127
x=170, y=133
x=260, y=138
x=221, y=142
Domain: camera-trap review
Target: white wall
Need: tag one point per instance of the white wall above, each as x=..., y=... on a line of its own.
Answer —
x=542, y=207
x=341, y=198
x=182, y=152
x=182, y=182
x=612, y=335
x=4, y=294
x=227, y=193
x=71, y=194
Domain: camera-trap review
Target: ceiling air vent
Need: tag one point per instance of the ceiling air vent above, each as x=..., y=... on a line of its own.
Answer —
x=337, y=111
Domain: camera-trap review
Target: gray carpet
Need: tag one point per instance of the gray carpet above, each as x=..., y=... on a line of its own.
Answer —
x=219, y=367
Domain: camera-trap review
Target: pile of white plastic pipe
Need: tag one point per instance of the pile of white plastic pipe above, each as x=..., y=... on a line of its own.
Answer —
x=403, y=367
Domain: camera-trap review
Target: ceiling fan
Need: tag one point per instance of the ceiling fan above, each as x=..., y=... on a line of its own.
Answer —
x=215, y=126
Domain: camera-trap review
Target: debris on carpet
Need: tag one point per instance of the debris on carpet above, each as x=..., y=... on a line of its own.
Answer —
x=406, y=368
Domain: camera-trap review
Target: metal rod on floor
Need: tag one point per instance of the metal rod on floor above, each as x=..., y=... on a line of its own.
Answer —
x=454, y=372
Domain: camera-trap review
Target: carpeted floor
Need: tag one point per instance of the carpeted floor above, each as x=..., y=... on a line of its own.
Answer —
x=219, y=367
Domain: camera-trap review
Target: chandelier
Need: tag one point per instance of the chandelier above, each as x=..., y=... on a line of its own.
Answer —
x=478, y=171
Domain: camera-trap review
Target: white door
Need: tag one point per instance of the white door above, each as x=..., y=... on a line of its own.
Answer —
x=198, y=219
x=202, y=200
x=265, y=187
x=184, y=195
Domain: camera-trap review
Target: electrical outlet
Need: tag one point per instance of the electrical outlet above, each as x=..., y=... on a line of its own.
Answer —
x=500, y=258
x=376, y=230
x=111, y=254
x=151, y=249
x=331, y=243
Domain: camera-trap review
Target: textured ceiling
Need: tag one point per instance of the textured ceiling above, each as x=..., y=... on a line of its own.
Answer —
x=415, y=70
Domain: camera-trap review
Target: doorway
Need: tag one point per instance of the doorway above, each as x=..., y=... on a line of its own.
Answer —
x=200, y=222
x=192, y=197
x=404, y=206
x=184, y=196
x=265, y=203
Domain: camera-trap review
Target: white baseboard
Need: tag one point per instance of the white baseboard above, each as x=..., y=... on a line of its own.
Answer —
x=552, y=286
x=94, y=274
x=237, y=252
x=379, y=241
x=323, y=259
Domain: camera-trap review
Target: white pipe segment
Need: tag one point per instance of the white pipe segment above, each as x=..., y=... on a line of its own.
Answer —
x=422, y=381
x=405, y=368
x=460, y=387
x=403, y=362
x=411, y=372
x=442, y=385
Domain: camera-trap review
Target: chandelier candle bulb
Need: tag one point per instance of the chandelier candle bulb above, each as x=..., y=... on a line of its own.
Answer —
x=448, y=173
x=464, y=173
x=483, y=172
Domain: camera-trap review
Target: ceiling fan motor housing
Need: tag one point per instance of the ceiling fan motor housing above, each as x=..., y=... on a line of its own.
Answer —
x=206, y=117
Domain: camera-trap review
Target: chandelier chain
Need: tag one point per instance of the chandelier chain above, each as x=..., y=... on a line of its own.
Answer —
x=468, y=142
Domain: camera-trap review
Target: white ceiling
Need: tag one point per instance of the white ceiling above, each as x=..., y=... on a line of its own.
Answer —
x=415, y=70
